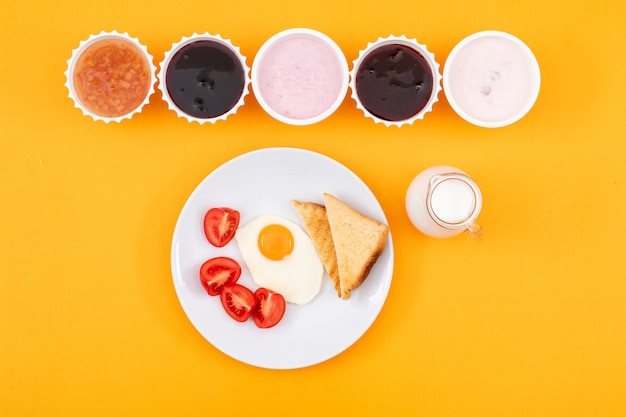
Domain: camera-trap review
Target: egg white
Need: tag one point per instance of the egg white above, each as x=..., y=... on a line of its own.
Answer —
x=298, y=276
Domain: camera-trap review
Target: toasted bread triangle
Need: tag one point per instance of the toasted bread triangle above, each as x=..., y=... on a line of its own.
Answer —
x=358, y=240
x=315, y=222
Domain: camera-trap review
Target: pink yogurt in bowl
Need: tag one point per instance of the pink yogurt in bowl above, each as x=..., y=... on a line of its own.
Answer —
x=491, y=79
x=300, y=76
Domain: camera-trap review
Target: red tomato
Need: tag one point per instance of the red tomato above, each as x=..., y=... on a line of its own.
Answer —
x=220, y=225
x=216, y=272
x=269, y=309
x=238, y=301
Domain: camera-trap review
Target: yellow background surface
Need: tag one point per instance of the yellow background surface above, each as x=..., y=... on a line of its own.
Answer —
x=529, y=322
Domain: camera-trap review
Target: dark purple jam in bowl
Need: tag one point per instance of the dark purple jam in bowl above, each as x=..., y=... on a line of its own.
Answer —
x=394, y=82
x=205, y=79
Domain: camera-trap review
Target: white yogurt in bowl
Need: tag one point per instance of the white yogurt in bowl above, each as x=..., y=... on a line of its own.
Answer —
x=300, y=76
x=491, y=79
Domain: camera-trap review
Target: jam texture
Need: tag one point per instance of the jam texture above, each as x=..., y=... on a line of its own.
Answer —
x=394, y=82
x=111, y=77
x=205, y=79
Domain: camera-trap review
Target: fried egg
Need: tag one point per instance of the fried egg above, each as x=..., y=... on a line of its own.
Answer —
x=281, y=257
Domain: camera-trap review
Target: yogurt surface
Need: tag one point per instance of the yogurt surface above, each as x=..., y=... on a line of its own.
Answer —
x=492, y=79
x=300, y=76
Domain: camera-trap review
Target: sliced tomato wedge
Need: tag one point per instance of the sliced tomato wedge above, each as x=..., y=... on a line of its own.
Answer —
x=238, y=301
x=269, y=308
x=216, y=272
x=220, y=225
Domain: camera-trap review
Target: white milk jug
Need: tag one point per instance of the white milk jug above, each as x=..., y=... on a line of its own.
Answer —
x=443, y=201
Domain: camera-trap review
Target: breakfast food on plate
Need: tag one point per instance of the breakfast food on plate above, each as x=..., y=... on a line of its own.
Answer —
x=238, y=301
x=266, y=307
x=219, y=275
x=315, y=222
x=358, y=240
x=219, y=278
x=281, y=257
x=216, y=272
x=269, y=308
x=220, y=224
x=285, y=262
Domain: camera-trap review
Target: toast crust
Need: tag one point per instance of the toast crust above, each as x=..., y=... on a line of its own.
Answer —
x=315, y=222
x=348, y=242
x=359, y=241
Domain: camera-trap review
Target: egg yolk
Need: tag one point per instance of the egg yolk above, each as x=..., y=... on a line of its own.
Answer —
x=275, y=242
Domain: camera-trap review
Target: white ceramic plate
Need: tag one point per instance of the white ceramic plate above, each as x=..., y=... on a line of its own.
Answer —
x=265, y=181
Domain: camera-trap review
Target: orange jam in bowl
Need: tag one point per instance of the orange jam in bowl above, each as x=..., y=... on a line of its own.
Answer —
x=110, y=77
